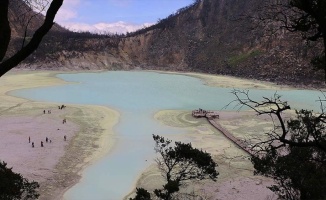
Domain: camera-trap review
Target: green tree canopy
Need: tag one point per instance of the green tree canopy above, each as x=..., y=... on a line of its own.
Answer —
x=181, y=162
x=294, y=152
x=14, y=186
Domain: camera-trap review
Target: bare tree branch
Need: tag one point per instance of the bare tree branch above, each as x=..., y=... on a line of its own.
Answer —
x=35, y=41
x=312, y=125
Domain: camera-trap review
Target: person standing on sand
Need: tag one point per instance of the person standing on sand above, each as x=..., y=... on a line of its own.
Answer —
x=46, y=139
x=29, y=139
x=41, y=143
x=32, y=144
x=65, y=138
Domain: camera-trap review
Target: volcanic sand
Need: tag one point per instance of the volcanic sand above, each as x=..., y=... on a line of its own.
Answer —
x=57, y=165
x=236, y=180
x=225, y=81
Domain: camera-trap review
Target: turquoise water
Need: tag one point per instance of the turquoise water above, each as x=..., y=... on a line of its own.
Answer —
x=137, y=96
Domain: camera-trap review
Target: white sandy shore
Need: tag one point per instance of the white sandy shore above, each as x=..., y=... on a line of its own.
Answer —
x=224, y=81
x=236, y=180
x=57, y=165
x=90, y=136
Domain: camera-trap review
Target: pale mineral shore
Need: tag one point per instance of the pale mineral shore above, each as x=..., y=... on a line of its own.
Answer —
x=236, y=180
x=89, y=130
x=58, y=165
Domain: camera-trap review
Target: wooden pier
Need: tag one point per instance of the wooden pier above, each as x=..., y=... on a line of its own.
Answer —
x=205, y=113
x=211, y=116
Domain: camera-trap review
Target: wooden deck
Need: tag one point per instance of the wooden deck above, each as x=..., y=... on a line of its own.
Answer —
x=205, y=113
x=211, y=116
x=227, y=134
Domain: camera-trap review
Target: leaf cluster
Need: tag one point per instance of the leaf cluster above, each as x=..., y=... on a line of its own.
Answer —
x=299, y=173
x=14, y=186
x=179, y=162
x=183, y=162
x=141, y=194
x=294, y=153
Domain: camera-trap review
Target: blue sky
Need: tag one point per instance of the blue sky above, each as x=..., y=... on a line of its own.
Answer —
x=115, y=15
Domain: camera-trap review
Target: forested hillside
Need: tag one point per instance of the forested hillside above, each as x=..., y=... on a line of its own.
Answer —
x=222, y=37
x=210, y=36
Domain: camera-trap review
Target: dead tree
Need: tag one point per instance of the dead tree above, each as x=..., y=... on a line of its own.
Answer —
x=294, y=153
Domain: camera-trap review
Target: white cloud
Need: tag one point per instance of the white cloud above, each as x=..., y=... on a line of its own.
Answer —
x=68, y=10
x=65, y=15
x=117, y=27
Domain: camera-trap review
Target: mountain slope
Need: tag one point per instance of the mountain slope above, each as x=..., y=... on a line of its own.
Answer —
x=215, y=36
x=211, y=36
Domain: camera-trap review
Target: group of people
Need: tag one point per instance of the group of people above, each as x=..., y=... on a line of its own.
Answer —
x=49, y=111
x=47, y=140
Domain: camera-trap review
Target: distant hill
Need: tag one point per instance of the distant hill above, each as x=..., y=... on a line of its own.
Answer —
x=218, y=37
x=210, y=36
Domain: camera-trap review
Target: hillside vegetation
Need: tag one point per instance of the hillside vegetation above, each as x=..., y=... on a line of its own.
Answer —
x=210, y=36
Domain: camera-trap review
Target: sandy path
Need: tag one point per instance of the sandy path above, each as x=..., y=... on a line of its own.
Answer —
x=57, y=165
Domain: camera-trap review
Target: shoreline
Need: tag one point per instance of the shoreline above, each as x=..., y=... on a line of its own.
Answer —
x=258, y=84
x=60, y=165
x=236, y=171
x=73, y=176
x=224, y=81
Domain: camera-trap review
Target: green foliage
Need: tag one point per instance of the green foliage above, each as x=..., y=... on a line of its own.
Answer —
x=14, y=186
x=318, y=62
x=183, y=162
x=234, y=60
x=299, y=174
x=142, y=194
x=309, y=18
x=294, y=152
x=180, y=163
x=299, y=170
x=308, y=127
x=170, y=188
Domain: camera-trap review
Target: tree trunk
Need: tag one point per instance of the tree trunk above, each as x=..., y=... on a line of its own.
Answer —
x=324, y=38
x=35, y=41
x=5, y=32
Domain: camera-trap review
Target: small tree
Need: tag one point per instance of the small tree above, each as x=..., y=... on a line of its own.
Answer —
x=142, y=194
x=14, y=186
x=180, y=163
x=294, y=153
